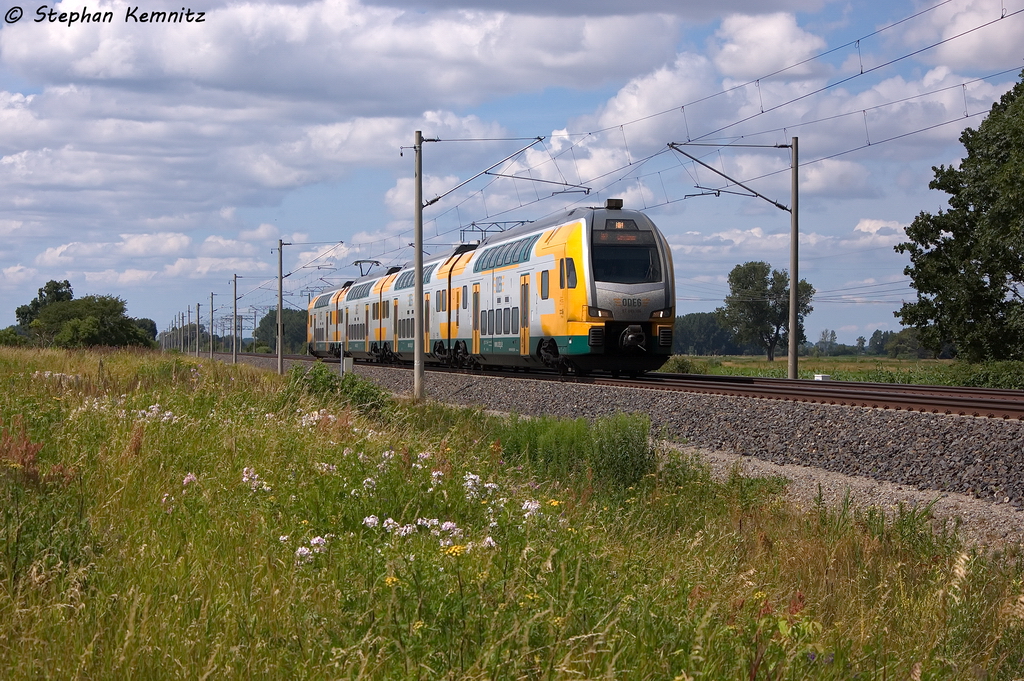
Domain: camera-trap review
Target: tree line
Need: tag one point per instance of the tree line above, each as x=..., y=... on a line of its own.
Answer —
x=56, y=318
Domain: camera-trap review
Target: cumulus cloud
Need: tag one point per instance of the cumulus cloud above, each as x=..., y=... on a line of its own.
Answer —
x=16, y=275
x=750, y=46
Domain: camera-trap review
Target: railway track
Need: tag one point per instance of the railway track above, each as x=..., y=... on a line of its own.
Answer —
x=957, y=401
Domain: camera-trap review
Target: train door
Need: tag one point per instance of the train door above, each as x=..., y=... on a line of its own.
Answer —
x=366, y=327
x=345, y=334
x=524, y=315
x=476, y=318
x=426, y=323
x=394, y=325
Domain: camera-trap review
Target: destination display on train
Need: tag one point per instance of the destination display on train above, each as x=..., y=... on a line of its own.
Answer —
x=608, y=237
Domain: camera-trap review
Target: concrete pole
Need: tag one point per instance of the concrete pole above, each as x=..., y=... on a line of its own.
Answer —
x=188, y=340
x=234, y=322
x=280, y=304
x=417, y=391
x=197, y=330
x=211, y=326
x=794, y=274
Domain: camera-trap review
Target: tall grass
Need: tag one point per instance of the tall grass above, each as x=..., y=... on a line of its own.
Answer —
x=173, y=519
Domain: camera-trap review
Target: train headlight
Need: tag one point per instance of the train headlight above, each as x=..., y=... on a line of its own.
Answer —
x=599, y=312
x=662, y=314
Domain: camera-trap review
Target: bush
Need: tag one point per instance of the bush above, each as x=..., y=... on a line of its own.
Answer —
x=681, y=364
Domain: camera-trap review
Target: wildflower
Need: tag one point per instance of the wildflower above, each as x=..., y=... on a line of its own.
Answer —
x=451, y=528
x=371, y=521
x=454, y=551
x=190, y=478
x=472, y=484
x=489, y=543
x=283, y=538
x=554, y=502
x=369, y=484
x=318, y=544
x=405, y=530
x=303, y=555
x=390, y=524
x=427, y=522
x=326, y=468
x=391, y=580
x=531, y=507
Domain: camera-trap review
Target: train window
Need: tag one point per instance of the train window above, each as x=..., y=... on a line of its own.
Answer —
x=483, y=322
x=510, y=253
x=465, y=297
x=517, y=323
x=444, y=300
x=627, y=262
x=544, y=284
x=506, y=321
x=570, y=273
x=490, y=321
x=561, y=273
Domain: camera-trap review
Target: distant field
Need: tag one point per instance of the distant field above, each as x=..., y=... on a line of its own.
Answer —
x=163, y=517
x=869, y=369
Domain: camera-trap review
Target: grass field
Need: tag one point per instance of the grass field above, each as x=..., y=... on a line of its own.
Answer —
x=863, y=368
x=166, y=518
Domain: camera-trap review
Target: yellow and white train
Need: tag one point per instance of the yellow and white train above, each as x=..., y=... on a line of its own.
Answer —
x=590, y=289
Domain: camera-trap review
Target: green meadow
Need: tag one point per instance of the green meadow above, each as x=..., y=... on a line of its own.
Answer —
x=162, y=517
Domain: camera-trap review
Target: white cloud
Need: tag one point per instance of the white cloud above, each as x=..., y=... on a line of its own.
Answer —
x=749, y=47
x=200, y=267
x=265, y=232
x=215, y=246
x=16, y=275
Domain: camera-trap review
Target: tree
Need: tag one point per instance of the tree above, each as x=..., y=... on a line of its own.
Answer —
x=702, y=333
x=861, y=344
x=757, y=307
x=148, y=327
x=294, y=330
x=879, y=339
x=967, y=262
x=51, y=292
x=86, y=322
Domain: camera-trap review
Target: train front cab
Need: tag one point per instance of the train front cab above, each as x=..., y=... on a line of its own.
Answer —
x=630, y=312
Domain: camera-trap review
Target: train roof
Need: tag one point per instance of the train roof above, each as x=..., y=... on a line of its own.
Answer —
x=520, y=230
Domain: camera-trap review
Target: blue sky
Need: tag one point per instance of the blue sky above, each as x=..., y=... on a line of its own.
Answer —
x=155, y=161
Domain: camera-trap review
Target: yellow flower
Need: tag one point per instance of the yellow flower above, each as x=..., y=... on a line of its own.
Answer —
x=454, y=551
x=554, y=502
x=417, y=625
x=391, y=580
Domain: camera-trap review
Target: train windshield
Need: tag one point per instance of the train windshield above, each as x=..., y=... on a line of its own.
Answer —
x=626, y=257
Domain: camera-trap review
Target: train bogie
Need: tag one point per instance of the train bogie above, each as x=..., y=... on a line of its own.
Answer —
x=592, y=289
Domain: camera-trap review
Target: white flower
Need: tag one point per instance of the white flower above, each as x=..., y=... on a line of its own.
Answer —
x=488, y=543
x=472, y=484
x=303, y=555
x=283, y=538
x=390, y=524
x=531, y=507
x=371, y=521
x=318, y=544
x=188, y=479
x=369, y=483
